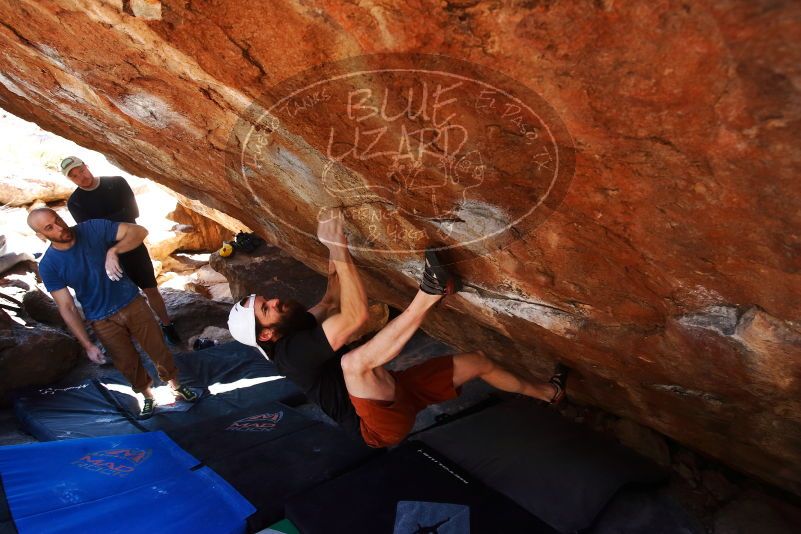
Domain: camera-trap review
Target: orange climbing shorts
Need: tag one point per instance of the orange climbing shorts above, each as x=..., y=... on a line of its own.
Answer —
x=385, y=423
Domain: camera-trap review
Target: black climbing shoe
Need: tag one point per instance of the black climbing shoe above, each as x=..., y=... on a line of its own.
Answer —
x=187, y=394
x=147, y=409
x=171, y=334
x=559, y=383
x=436, y=278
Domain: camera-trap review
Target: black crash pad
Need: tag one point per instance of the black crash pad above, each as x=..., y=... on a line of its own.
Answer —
x=403, y=491
x=72, y=411
x=241, y=378
x=225, y=363
x=227, y=436
x=271, y=455
x=560, y=471
x=230, y=378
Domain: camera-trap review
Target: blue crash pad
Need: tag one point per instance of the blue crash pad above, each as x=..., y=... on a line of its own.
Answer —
x=134, y=483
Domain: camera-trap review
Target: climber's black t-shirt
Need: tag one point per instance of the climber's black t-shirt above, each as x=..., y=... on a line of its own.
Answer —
x=113, y=199
x=307, y=359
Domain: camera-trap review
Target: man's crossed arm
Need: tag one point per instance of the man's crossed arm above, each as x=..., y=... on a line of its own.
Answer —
x=129, y=236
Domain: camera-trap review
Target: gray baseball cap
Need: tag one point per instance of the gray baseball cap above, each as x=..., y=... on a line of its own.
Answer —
x=67, y=164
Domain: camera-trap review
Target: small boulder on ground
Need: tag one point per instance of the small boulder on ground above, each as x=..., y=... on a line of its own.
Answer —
x=33, y=356
x=42, y=308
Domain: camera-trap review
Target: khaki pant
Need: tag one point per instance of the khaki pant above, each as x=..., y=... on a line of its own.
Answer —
x=135, y=321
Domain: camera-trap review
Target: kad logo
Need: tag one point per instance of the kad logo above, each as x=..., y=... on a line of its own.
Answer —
x=263, y=422
x=114, y=462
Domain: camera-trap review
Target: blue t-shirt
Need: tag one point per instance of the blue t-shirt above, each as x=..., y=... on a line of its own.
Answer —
x=83, y=268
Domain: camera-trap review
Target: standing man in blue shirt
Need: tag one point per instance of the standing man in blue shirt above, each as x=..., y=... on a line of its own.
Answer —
x=85, y=257
x=110, y=197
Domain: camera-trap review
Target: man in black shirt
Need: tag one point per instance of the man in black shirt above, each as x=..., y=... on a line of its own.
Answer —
x=111, y=198
x=352, y=386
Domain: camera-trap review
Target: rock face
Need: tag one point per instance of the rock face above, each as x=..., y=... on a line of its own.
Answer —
x=618, y=181
x=10, y=259
x=50, y=189
x=28, y=174
x=645, y=441
x=204, y=234
x=753, y=512
x=33, y=356
x=271, y=272
x=192, y=314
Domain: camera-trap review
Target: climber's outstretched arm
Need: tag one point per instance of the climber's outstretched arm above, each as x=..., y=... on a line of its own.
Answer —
x=352, y=313
x=329, y=304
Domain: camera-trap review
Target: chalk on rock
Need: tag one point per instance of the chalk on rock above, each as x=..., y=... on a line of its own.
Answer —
x=116, y=3
x=146, y=9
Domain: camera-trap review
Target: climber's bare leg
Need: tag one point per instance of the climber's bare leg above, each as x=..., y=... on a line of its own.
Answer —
x=362, y=367
x=476, y=364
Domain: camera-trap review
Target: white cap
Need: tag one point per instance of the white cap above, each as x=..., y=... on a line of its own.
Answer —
x=67, y=164
x=242, y=324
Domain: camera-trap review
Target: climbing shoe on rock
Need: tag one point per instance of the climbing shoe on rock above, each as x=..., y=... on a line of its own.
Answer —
x=185, y=393
x=437, y=280
x=147, y=409
x=559, y=383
